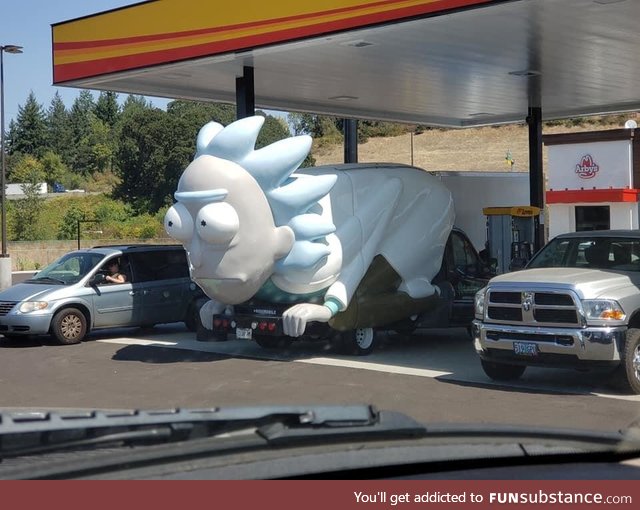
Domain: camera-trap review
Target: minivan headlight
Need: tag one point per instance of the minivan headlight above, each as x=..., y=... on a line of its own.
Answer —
x=603, y=309
x=479, y=303
x=32, y=306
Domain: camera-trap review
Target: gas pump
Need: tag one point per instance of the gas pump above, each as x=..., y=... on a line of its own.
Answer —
x=511, y=235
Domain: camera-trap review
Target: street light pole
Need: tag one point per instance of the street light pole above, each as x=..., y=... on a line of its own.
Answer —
x=84, y=221
x=5, y=260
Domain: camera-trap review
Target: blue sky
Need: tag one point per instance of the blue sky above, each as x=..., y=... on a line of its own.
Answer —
x=28, y=23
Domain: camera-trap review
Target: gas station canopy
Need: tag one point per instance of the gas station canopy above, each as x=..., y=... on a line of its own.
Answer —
x=449, y=63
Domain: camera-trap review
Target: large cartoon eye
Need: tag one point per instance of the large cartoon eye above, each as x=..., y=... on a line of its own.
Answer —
x=178, y=222
x=217, y=223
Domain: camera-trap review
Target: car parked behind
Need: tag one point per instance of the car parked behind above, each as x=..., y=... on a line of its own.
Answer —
x=70, y=297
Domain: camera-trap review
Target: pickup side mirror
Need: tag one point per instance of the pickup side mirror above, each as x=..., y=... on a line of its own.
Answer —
x=517, y=263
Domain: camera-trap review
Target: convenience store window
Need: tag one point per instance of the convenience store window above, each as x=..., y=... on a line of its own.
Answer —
x=592, y=217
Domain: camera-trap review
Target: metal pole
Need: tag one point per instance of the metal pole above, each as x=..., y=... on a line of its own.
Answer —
x=79, y=234
x=536, y=178
x=5, y=259
x=2, y=179
x=350, y=140
x=411, y=148
x=245, y=94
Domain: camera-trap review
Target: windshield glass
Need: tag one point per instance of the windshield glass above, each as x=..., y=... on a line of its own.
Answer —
x=614, y=253
x=68, y=269
x=194, y=261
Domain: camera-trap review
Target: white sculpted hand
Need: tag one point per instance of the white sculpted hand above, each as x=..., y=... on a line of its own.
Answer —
x=294, y=319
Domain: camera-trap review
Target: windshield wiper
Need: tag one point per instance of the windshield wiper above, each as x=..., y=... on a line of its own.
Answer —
x=38, y=433
x=47, y=279
x=96, y=443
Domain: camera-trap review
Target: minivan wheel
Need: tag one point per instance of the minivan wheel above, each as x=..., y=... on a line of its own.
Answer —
x=69, y=326
x=627, y=375
x=502, y=371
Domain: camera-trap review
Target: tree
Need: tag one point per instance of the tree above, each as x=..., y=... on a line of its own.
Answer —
x=80, y=121
x=69, y=225
x=95, y=150
x=107, y=109
x=133, y=103
x=27, y=210
x=29, y=133
x=317, y=126
x=152, y=152
x=59, y=136
x=273, y=129
x=53, y=167
x=198, y=113
x=10, y=137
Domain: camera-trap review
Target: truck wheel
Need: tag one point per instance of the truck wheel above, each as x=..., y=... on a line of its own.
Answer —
x=69, y=326
x=192, y=319
x=359, y=341
x=405, y=327
x=272, y=342
x=628, y=373
x=502, y=371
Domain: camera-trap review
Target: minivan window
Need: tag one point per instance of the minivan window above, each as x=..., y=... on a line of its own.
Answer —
x=159, y=265
x=68, y=269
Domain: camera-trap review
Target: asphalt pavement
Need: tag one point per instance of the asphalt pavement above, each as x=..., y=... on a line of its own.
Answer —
x=433, y=376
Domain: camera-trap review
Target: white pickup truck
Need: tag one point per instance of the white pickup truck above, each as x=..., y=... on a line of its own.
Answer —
x=576, y=304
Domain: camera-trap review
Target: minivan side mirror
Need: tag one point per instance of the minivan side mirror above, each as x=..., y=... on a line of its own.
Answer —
x=97, y=279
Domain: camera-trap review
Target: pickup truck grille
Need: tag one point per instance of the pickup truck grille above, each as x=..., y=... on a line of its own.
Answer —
x=531, y=307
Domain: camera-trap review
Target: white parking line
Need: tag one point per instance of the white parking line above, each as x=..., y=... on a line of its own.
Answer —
x=459, y=360
x=247, y=349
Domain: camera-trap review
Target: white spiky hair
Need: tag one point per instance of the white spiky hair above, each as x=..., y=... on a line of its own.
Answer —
x=291, y=197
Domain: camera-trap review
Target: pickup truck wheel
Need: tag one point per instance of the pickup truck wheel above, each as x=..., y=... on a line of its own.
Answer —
x=628, y=373
x=272, y=342
x=502, y=371
x=192, y=319
x=359, y=341
x=69, y=326
x=405, y=327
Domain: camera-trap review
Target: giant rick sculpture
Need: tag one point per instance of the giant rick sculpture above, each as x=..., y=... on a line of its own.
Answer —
x=354, y=246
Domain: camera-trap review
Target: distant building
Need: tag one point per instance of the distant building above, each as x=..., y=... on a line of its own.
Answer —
x=16, y=189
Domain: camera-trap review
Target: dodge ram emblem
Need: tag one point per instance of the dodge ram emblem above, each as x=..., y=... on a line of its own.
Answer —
x=527, y=301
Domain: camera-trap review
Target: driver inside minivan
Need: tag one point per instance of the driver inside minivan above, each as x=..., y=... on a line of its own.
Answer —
x=114, y=275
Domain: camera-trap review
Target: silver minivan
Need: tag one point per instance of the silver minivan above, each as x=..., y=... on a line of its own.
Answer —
x=70, y=297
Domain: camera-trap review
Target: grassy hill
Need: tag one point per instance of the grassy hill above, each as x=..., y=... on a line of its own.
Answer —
x=472, y=149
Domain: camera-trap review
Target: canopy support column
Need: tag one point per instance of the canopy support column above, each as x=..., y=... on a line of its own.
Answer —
x=536, y=177
x=350, y=140
x=245, y=94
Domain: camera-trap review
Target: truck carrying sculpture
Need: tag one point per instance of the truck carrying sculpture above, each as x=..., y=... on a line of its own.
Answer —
x=355, y=246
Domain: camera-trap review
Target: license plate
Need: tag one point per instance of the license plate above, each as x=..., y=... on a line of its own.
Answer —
x=525, y=348
x=243, y=333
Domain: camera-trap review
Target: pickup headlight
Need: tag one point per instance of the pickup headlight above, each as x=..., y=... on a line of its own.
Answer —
x=479, y=303
x=32, y=306
x=603, y=309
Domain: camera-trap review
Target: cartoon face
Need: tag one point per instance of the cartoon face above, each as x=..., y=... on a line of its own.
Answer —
x=224, y=221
